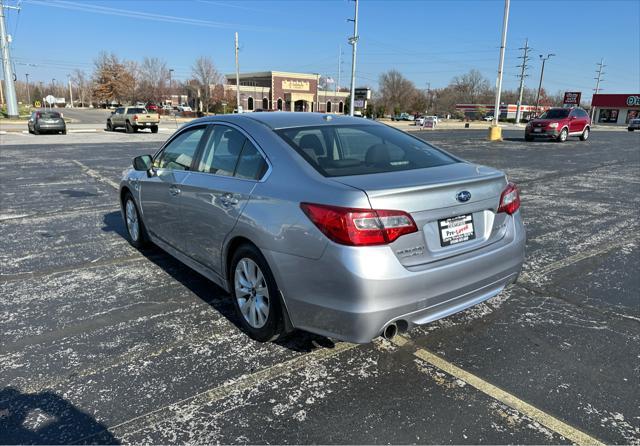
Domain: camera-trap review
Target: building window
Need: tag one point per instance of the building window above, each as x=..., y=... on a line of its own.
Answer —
x=250, y=103
x=340, y=107
x=265, y=104
x=632, y=114
x=608, y=115
x=328, y=106
x=279, y=104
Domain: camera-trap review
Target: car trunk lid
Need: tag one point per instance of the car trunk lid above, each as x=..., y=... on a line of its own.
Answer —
x=430, y=196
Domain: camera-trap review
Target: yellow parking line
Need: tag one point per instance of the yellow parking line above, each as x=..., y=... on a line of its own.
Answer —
x=549, y=421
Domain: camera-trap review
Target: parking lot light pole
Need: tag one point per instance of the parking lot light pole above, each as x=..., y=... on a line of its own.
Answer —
x=543, y=59
x=495, y=132
x=354, y=43
x=10, y=89
x=70, y=90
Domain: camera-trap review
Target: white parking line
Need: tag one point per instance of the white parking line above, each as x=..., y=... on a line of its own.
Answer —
x=94, y=174
x=549, y=421
x=245, y=382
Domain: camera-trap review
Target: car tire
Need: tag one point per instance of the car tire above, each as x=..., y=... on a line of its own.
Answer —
x=585, y=134
x=64, y=131
x=109, y=126
x=528, y=138
x=251, y=290
x=36, y=130
x=562, y=137
x=128, y=127
x=154, y=129
x=135, y=227
x=630, y=130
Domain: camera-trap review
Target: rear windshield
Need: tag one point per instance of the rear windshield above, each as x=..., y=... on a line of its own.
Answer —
x=136, y=110
x=49, y=115
x=362, y=149
x=555, y=114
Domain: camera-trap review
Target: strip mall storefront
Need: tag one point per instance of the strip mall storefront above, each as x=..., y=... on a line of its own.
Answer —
x=615, y=109
x=278, y=90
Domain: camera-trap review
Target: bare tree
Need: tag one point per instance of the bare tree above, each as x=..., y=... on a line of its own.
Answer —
x=154, y=79
x=207, y=77
x=396, y=91
x=83, y=86
x=473, y=87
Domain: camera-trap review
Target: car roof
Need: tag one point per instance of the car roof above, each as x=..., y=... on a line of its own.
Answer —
x=281, y=120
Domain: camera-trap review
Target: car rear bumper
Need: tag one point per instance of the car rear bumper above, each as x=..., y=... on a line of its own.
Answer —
x=52, y=127
x=353, y=293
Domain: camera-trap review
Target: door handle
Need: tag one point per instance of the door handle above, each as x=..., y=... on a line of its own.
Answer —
x=174, y=190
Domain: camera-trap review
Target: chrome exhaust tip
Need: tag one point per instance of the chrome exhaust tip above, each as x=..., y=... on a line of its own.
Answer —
x=390, y=331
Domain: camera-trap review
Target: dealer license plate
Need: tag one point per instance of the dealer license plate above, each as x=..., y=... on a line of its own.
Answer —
x=456, y=230
x=537, y=130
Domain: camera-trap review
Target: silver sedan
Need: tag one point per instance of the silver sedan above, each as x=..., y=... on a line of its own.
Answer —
x=329, y=224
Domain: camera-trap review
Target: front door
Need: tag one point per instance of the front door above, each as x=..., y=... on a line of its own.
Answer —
x=161, y=194
x=216, y=194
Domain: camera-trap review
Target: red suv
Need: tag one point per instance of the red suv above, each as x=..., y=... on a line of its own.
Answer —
x=559, y=124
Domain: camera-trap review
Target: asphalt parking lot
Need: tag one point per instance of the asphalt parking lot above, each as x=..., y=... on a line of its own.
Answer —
x=102, y=343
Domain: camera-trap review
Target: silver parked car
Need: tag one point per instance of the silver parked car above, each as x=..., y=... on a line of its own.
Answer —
x=338, y=226
x=42, y=121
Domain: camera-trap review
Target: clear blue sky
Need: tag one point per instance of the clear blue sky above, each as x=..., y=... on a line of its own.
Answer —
x=428, y=41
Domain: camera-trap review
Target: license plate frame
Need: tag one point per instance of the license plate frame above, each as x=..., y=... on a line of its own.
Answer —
x=464, y=230
x=537, y=130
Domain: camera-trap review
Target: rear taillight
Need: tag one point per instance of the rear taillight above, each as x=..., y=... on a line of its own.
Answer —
x=509, y=199
x=359, y=227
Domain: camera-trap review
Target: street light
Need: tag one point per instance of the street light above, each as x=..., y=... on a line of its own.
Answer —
x=543, y=59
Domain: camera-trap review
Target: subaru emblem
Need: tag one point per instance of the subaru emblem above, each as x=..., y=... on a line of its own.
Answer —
x=463, y=196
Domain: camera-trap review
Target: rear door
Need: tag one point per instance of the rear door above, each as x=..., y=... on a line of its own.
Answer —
x=215, y=194
x=161, y=194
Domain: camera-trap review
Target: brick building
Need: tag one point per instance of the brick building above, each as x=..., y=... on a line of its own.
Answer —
x=279, y=90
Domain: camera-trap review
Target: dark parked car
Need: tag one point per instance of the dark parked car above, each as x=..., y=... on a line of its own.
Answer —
x=558, y=124
x=152, y=107
x=46, y=121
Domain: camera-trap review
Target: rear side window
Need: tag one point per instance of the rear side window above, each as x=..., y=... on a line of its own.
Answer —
x=229, y=153
x=222, y=151
x=362, y=149
x=178, y=155
x=251, y=165
x=136, y=110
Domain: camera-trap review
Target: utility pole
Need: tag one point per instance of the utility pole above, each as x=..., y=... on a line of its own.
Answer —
x=339, y=68
x=598, y=79
x=523, y=74
x=70, y=90
x=353, y=41
x=495, y=132
x=171, y=86
x=543, y=59
x=238, y=78
x=28, y=94
x=12, y=100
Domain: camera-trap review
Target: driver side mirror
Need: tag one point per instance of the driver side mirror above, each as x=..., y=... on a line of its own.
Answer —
x=143, y=163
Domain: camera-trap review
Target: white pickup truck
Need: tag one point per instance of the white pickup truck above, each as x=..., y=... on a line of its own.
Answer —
x=133, y=119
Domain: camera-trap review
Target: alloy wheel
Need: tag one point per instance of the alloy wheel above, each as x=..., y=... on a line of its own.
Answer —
x=251, y=292
x=133, y=225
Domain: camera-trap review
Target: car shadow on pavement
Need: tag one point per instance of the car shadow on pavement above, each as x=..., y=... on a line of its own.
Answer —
x=47, y=418
x=208, y=291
